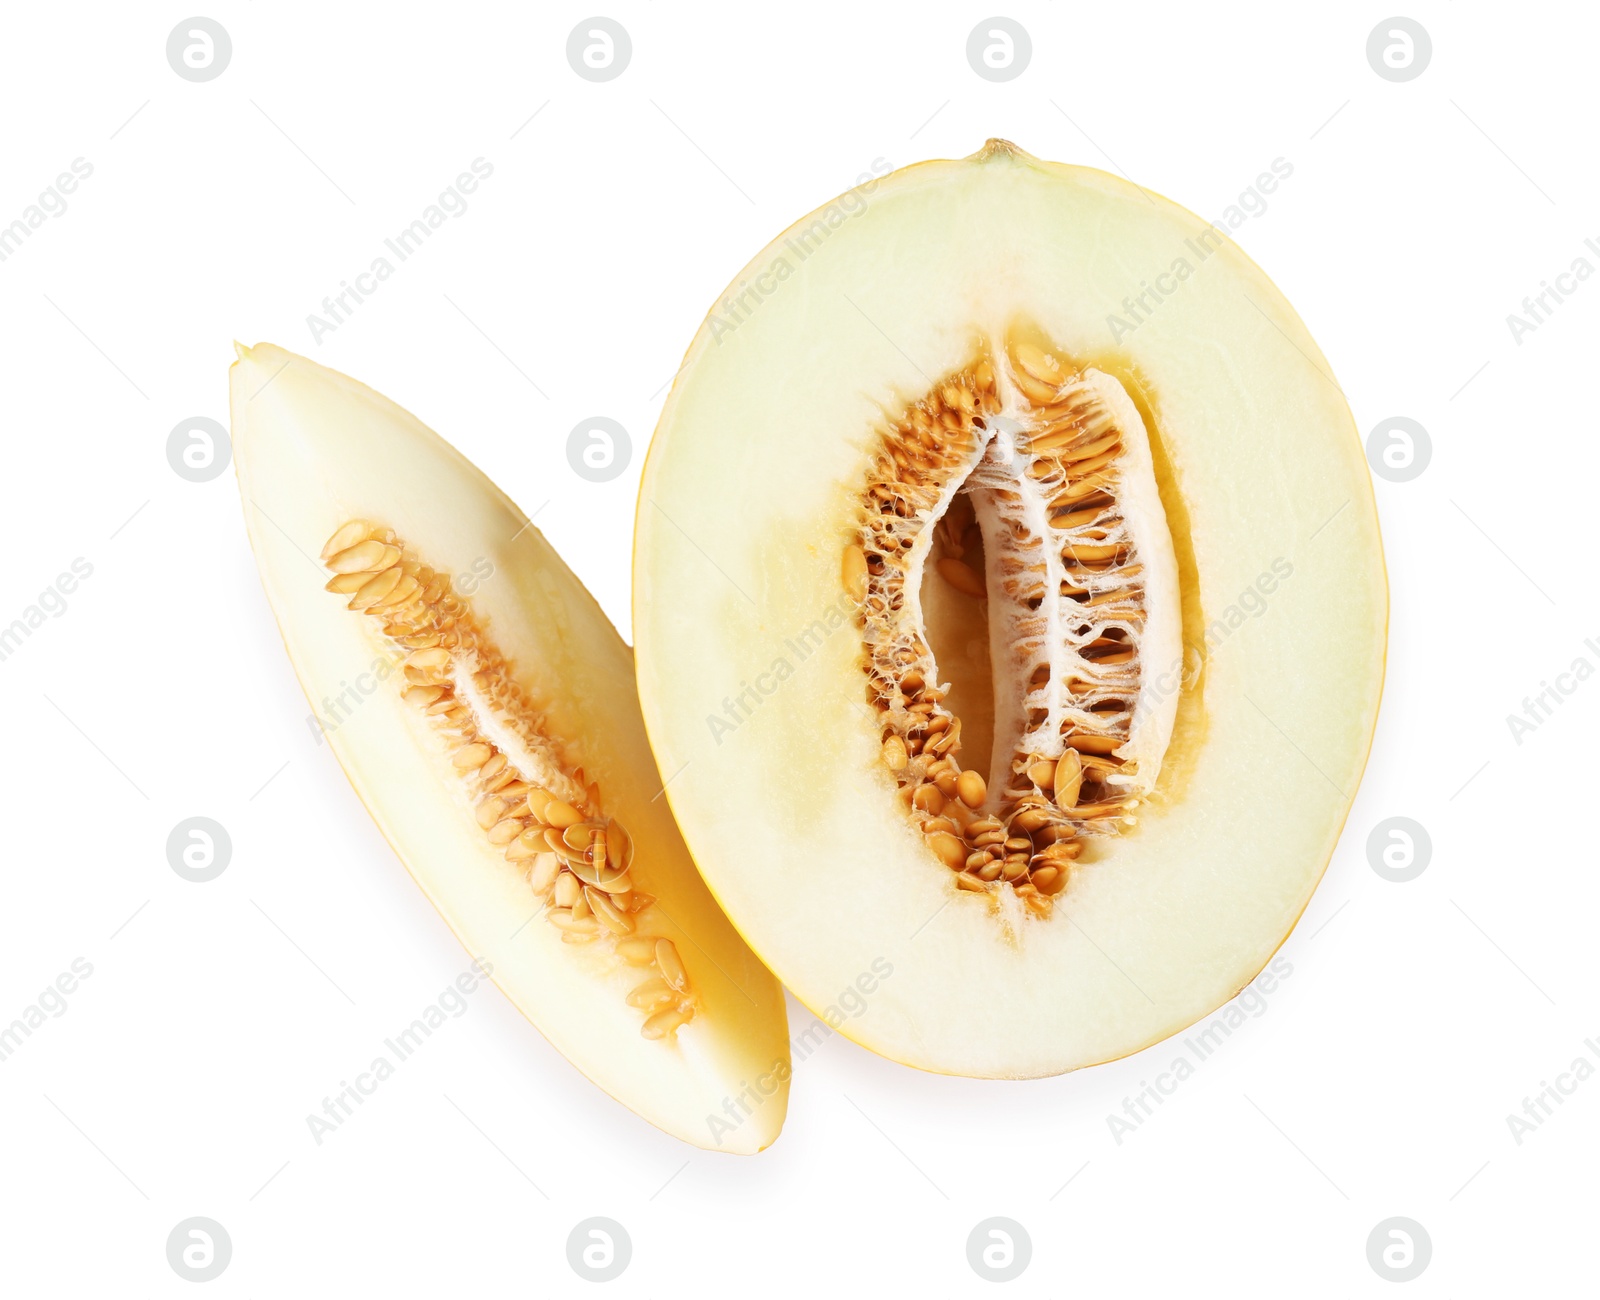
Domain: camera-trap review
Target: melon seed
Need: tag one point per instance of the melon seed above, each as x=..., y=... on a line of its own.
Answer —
x=854, y=573
x=368, y=557
x=606, y=912
x=544, y=874
x=346, y=536
x=347, y=584
x=636, y=950
x=671, y=965
x=573, y=924
x=1038, y=363
x=970, y=786
x=561, y=814
x=653, y=992
x=664, y=1023
x=894, y=754
x=502, y=833
x=1068, y=779
x=962, y=578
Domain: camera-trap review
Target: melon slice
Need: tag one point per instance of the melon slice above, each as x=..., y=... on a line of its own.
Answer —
x=1009, y=592
x=483, y=707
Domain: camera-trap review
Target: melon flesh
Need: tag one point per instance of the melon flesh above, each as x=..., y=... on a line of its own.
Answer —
x=314, y=450
x=750, y=649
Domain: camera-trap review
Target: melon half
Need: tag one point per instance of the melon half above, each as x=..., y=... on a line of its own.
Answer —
x=1010, y=614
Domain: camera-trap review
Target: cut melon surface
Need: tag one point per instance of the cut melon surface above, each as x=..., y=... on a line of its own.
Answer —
x=1004, y=625
x=484, y=709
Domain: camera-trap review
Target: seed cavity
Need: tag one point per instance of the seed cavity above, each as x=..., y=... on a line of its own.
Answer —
x=1024, y=482
x=526, y=800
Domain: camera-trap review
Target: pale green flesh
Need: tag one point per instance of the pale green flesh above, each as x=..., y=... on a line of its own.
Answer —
x=790, y=813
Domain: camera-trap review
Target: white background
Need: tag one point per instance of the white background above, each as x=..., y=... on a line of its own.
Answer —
x=177, y=1083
